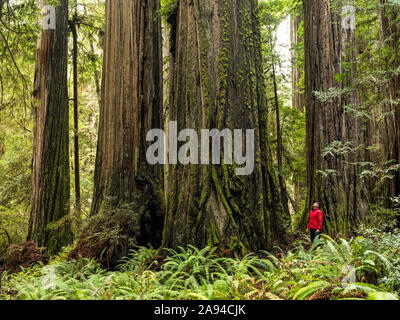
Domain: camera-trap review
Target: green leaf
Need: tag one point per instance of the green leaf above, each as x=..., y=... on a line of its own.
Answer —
x=382, y=296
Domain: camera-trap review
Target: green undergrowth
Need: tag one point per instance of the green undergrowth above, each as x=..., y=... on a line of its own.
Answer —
x=366, y=267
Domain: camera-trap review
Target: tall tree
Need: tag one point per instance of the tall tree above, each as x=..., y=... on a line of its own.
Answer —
x=298, y=99
x=390, y=36
x=332, y=179
x=217, y=83
x=128, y=189
x=297, y=72
x=49, y=224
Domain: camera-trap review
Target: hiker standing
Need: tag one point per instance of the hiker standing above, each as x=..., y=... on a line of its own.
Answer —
x=315, y=221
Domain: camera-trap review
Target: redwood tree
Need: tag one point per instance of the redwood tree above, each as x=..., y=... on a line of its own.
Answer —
x=298, y=102
x=49, y=225
x=128, y=191
x=390, y=36
x=217, y=83
x=332, y=132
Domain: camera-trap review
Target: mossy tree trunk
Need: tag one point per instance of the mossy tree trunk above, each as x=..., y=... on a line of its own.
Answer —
x=332, y=179
x=49, y=225
x=390, y=35
x=131, y=106
x=1, y=7
x=73, y=28
x=217, y=83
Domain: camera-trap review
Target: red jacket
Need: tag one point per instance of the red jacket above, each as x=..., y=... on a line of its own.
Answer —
x=316, y=220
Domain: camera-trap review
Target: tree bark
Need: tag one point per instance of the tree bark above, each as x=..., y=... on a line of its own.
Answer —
x=76, y=113
x=279, y=148
x=217, y=83
x=49, y=225
x=331, y=178
x=390, y=35
x=131, y=106
x=298, y=98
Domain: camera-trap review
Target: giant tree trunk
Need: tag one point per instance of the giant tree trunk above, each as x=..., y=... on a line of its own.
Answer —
x=128, y=191
x=331, y=177
x=49, y=224
x=217, y=82
x=390, y=35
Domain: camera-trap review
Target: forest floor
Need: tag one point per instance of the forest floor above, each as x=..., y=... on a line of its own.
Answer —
x=364, y=267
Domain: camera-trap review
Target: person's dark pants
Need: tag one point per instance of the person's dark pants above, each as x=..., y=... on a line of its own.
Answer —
x=314, y=234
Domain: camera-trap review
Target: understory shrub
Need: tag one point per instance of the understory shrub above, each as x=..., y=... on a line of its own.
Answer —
x=365, y=267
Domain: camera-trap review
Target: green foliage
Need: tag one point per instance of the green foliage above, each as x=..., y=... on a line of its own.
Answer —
x=292, y=121
x=168, y=7
x=191, y=273
x=139, y=260
x=334, y=268
x=18, y=36
x=387, y=244
x=376, y=295
x=366, y=267
x=14, y=185
x=19, y=32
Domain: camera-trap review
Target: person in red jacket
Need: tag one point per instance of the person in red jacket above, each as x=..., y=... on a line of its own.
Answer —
x=315, y=222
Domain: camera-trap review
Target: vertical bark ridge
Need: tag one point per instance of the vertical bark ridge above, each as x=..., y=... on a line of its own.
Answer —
x=339, y=189
x=217, y=82
x=49, y=225
x=131, y=106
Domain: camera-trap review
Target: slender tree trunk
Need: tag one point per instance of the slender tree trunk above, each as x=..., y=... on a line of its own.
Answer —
x=97, y=73
x=279, y=148
x=76, y=114
x=390, y=34
x=298, y=94
x=298, y=98
x=331, y=177
x=49, y=224
x=217, y=82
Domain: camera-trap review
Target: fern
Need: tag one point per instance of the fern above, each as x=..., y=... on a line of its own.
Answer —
x=310, y=289
x=192, y=273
